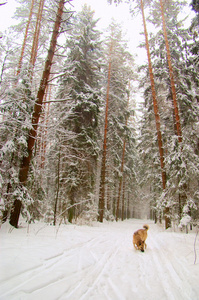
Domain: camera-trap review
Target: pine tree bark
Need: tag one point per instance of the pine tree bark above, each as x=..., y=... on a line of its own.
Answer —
x=171, y=75
x=36, y=35
x=173, y=89
x=23, y=172
x=108, y=194
x=25, y=164
x=42, y=130
x=25, y=37
x=15, y=212
x=157, y=116
x=103, y=167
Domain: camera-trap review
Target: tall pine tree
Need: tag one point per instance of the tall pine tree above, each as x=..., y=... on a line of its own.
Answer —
x=79, y=88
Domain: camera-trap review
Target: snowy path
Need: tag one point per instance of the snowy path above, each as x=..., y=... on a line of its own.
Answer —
x=97, y=263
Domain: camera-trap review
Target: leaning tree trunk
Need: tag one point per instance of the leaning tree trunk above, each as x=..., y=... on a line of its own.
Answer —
x=103, y=168
x=25, y=164
x=23, y=172
x=157, y=116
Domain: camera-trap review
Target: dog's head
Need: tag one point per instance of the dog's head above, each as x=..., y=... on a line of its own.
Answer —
x=140, y=245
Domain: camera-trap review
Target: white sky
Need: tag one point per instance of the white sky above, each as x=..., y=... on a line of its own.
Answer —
x=103, y=11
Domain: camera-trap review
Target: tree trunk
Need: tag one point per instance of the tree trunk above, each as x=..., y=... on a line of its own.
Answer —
x=42, y=130
x=128, y=206
x=36, y=35
x=71, y=210
x=58, y=184
x=14, y=217
x=23, y=172
x=123, y=200
x=108, y=193
x=173, y=90
x=24, y=168
x=157, y=116
x=25, y=37
x=120, y=181
x=175, y=104
x=103, y=168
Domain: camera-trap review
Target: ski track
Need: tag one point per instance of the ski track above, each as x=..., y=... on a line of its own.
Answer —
x=174, y=285
x=50, y=263
x=81, y=271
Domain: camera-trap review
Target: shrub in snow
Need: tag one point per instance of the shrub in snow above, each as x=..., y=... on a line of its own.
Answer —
x=89, y=214
x=184, y=221
x=49, y=216
x=8, y=147
x=187, y=209
x=109, y=216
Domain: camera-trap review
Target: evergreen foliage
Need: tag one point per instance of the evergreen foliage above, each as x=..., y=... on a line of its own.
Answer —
x=78, y=115
x=119, y=110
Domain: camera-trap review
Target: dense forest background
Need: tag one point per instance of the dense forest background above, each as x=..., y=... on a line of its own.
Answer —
x=73, y=146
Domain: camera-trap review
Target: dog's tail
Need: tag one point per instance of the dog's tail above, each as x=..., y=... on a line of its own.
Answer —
x=146, y=226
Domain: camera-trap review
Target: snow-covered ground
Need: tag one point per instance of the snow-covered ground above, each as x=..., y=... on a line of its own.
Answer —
x=97, y=262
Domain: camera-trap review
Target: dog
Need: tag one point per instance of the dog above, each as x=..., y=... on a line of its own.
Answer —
x=139, y=238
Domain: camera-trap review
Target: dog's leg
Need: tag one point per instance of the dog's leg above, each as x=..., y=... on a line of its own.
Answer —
x=135, y=246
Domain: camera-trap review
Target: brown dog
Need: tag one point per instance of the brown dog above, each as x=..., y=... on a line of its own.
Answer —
x=139, y=238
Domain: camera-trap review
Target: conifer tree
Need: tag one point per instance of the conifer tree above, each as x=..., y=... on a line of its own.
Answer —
x=79, y=88
x=180, y=186
x=119, y=64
